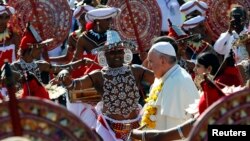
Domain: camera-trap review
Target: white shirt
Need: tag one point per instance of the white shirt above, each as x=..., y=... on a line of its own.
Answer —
x=225, y=43
x=170, y=9
x=177, y=93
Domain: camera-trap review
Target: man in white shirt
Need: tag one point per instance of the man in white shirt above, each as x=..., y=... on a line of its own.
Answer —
x=228, y=39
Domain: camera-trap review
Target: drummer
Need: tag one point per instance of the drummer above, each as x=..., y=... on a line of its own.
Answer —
x=118, y=84
x=30, y=49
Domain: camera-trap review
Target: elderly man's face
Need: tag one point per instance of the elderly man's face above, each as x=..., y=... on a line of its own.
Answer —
x=155, y=63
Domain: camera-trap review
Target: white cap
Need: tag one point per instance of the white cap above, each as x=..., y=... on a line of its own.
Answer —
x=82, y=9
x=193, y=5
x=164, y=47
x=102, y=13
x=6, y=9
x=193, y=22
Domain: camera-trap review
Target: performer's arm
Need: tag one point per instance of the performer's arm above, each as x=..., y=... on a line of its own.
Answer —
x=174, y=133
x=45, y=66
x=64, y=59
x=79, y=49
x=87, y=81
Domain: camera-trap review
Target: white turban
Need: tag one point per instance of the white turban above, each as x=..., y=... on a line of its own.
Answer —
x=102, y=13
x=193, y=22
x=193, y=5
x=6, y=9
x=164, y=47
x=82, y=9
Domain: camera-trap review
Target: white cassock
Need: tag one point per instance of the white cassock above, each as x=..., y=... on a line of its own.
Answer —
x=225, y=43
x=170, y=9
x=177, y=93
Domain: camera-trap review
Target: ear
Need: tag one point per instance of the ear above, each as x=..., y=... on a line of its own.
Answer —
x=209, y=69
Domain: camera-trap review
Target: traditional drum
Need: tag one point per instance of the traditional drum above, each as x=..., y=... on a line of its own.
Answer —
x=218, y=22
x=44, y=120
x=87, y=96
x=229, y=110
x=145, y=17
x=52, y=19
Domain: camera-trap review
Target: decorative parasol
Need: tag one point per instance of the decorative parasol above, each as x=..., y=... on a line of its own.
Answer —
x=233, y=109
x=218, y=21
x=139, y=21
x=51, y=18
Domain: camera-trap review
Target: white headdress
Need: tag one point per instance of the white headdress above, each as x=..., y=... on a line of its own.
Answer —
x=193, y=5
x=82, y=9
x=6, y=9
x=102, y=13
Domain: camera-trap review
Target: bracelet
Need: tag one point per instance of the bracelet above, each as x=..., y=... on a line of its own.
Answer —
x=180, y=132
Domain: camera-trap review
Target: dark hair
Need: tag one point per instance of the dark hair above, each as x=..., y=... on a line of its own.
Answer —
x=230, y=61
x=239, y=10
x=209, y=59
x=166, y=39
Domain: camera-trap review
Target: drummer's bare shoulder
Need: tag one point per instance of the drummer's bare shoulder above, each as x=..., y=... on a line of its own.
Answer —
x=43, y=65
x=142, y=73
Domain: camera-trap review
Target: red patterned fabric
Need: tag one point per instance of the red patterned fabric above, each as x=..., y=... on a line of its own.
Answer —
x=218, y=22
x=230, y=76
x=210, y=95
x=35, y=89
x=147, y=18
x=50, y=18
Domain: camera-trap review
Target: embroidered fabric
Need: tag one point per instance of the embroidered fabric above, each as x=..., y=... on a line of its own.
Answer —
x=121, y=95
x=98, y=35
x=31, y=67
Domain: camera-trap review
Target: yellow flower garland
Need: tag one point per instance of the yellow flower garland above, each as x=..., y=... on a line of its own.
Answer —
x=150, y=110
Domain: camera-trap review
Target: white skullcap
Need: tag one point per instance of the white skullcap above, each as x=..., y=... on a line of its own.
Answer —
x=102, y=13
x=164, y=47
x=82, y=9
x=193, y=22
x=6, y=9
x=193, y=5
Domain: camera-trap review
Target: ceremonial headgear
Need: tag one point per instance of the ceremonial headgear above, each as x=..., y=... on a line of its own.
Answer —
x=193, y=5
x=164, y=47
x=6, y=9
x=193, y=22
x=114, y=42
x=30, y=37
x=102, y=13
x=82, y=9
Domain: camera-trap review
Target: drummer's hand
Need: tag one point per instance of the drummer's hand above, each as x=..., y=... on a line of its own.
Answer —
x=64, y=77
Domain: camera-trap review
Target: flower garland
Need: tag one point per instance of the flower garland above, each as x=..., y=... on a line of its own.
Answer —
x=149, y=118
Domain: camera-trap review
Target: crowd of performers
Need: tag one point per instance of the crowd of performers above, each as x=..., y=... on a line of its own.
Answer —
x=182, y=65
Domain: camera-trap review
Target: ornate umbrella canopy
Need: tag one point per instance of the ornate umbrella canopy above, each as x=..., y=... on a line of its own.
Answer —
x=43, y=120
x=218, y=21
x=146, y=17
x=233, y=109
x=51, y=18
